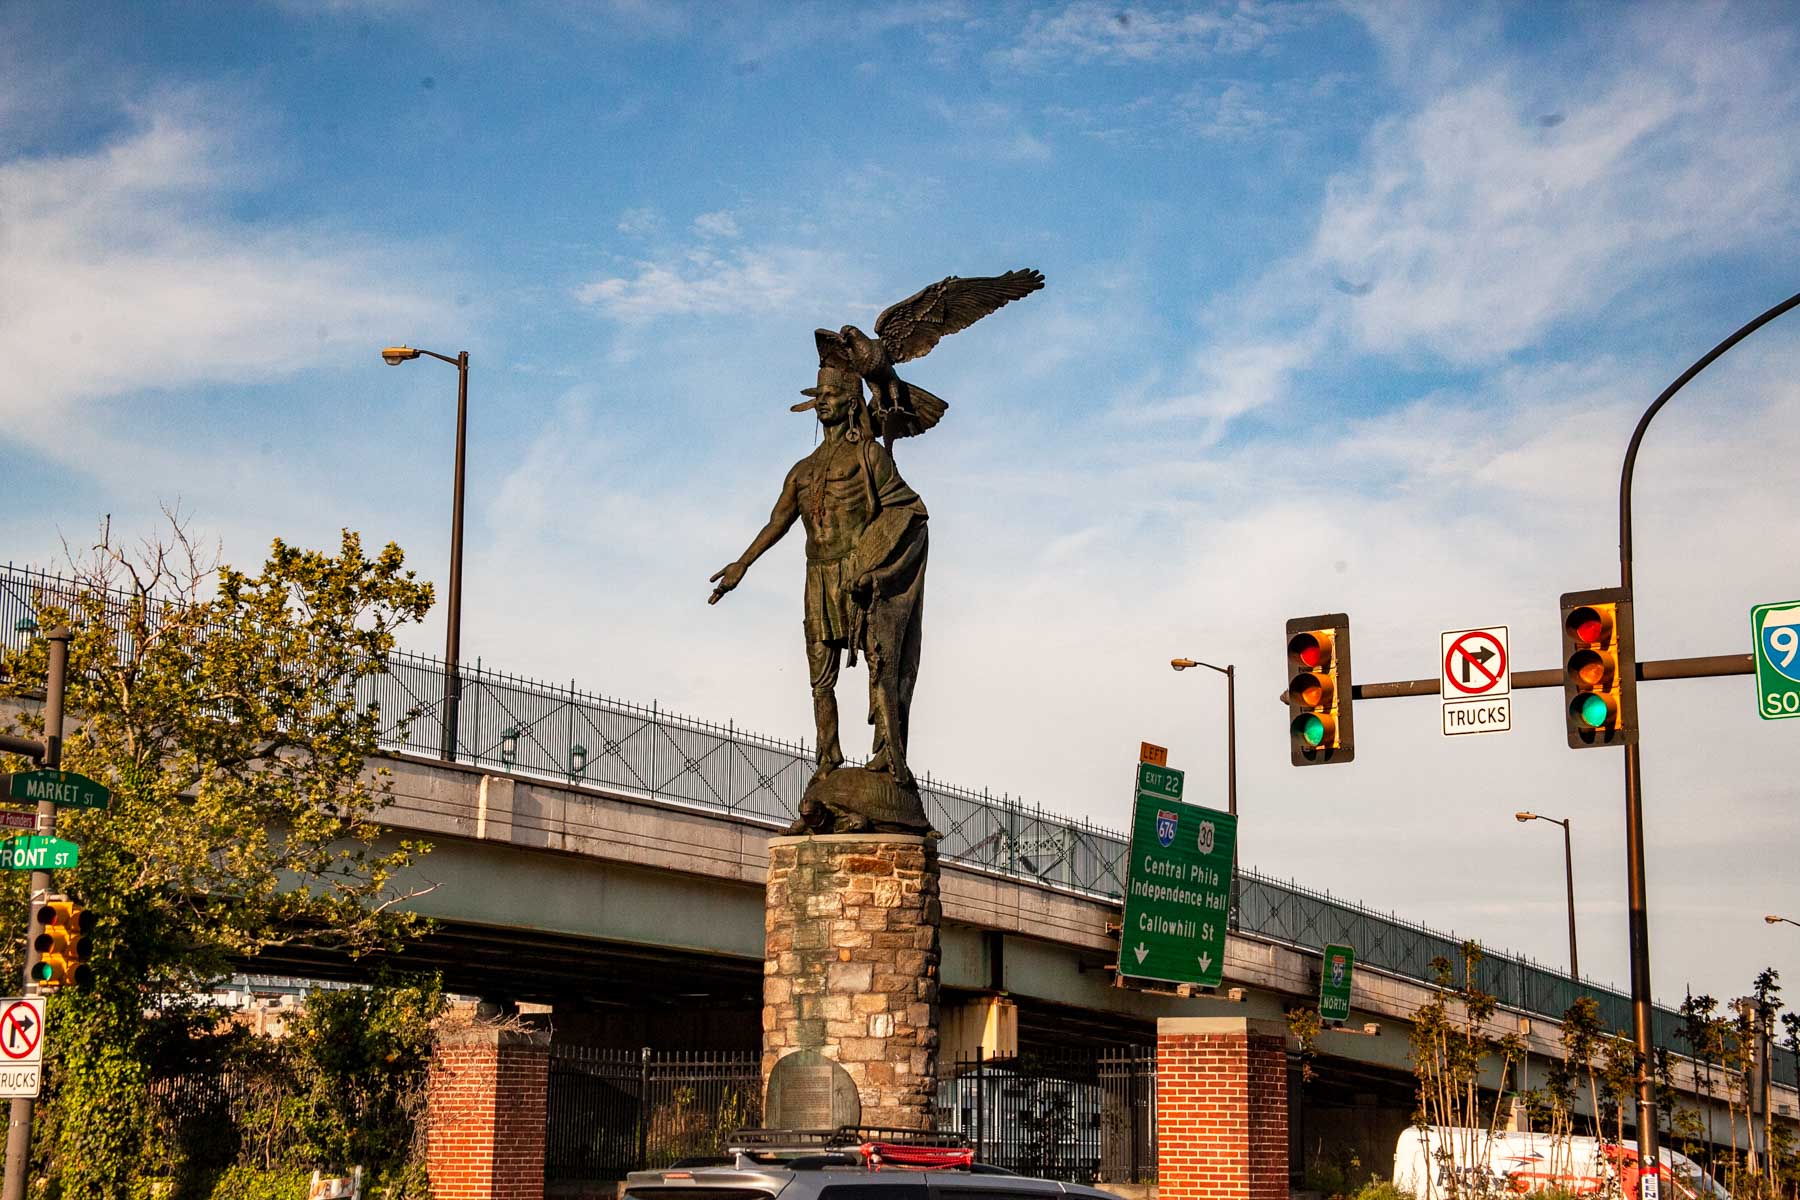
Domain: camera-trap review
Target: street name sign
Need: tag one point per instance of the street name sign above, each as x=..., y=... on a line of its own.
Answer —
x=1154, y=780
x=35, y=852
x=1334, y=983
x=21, y=1046
x=1475, y=681
x=15, y=818
x=1177, y=892
x=65, y=789
x=1775, y=630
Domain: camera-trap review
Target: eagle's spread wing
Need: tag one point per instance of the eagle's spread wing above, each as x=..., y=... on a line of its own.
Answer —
x=834, y=349
x=912, y=327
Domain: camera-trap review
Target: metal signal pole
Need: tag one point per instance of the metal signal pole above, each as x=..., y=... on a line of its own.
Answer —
x=18, y=1127
x=1647, y=1131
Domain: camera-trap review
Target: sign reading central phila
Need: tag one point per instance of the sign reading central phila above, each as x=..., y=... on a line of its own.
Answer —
x=1177, y=893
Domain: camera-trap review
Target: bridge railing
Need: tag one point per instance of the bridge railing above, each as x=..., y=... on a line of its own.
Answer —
x=586, y=739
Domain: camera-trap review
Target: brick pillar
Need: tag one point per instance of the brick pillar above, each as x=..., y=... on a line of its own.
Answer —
x=1221, y=1109
x=852, y=968
x=485, y=1102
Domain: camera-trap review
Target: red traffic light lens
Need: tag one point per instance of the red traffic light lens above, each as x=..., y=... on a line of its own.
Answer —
x=1309, y=648
x=1589, y=625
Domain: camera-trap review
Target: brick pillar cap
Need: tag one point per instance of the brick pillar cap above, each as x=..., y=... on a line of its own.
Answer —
x=494, y=1035
x=1259, y=1026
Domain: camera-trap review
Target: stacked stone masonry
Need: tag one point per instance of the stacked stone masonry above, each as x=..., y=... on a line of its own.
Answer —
x=486, y=1102
x=852, y=965
x=1222, y=1115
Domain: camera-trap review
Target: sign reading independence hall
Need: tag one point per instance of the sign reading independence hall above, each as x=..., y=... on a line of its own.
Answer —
x=1177, y=892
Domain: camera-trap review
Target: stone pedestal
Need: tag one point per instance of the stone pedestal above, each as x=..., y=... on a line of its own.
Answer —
x=852, y=965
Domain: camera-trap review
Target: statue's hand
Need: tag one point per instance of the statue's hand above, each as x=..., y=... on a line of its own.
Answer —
x=863, y=588
x=727, y=578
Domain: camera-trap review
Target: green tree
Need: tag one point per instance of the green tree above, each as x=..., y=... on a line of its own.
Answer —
x=222, y=709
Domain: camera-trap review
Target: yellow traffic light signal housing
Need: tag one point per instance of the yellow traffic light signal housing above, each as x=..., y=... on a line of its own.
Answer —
x=1320, y=729
x=61, y=938
x=1599, y=668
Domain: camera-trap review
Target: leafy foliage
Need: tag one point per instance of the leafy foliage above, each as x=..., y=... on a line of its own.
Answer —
x=221, y=710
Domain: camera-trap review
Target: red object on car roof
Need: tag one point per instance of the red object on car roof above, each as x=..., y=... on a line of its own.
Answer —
x=916, y=1158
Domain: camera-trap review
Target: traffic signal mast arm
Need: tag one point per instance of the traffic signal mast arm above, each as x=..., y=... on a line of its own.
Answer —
x=9, y=744
x=1666, y=668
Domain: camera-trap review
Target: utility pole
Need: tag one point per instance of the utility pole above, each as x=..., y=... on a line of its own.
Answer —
x=18, y=1128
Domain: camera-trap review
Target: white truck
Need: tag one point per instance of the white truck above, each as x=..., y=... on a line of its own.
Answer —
x=1439, y=1162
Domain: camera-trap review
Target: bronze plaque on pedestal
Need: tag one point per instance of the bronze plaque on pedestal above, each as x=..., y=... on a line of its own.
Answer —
x=809, y=1091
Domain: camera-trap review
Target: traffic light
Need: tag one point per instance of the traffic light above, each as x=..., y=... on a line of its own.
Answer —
x=60, y=943
x=1319, y=725
x=1599, y=668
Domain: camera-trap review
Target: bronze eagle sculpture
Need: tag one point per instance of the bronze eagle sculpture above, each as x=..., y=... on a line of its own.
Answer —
x=909, y=330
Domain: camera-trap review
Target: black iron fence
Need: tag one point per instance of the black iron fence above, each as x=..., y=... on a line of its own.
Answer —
x=610, y=1112
x=1080, y=1116
x=585, y=739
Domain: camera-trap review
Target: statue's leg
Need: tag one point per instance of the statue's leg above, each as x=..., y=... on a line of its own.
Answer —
x=884, y=705
x=822, y=658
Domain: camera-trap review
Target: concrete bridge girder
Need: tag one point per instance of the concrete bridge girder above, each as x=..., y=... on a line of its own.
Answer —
x=528, y=853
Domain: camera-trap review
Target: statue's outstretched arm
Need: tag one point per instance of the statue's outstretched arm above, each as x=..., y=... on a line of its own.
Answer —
x=781, y=519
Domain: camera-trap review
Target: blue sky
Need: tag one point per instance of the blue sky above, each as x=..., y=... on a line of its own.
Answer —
x=1335, y=291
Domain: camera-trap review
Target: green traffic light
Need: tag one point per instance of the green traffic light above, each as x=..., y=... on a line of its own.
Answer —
x=1310, y=729
x=1591, y=711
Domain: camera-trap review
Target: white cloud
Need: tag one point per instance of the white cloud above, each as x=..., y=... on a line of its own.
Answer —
x=124, y=271
x=639, y=222
x=1089, y=31
x=716, y=225
x=700, y=282
x=1477, y=226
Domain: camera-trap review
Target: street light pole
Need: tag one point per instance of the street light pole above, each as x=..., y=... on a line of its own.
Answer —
x=394, y=356
x=1775, y=920
x=1569, y=878
x=1634, y=801
x=1229, y=671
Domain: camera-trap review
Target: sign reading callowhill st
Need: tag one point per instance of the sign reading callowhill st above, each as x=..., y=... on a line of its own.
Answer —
x=1177, y=892
x=65, y=789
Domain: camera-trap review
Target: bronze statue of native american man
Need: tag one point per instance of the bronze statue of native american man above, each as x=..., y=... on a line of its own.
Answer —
x=866, y=545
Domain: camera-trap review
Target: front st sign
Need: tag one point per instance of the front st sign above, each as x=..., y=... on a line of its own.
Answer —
x=35, y=852
x=1177, y=892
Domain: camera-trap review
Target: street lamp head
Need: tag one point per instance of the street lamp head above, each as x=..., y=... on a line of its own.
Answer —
x=393, y=356
x=1182, y=664
x=1772, y=919
x=1524, y=816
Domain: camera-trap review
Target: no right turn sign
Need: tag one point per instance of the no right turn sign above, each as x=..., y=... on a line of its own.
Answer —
x=21, y=1046
x=1475, y=681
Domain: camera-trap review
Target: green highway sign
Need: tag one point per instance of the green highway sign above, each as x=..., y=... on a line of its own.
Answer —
x=1159, y=781
x=34, y=852
x=65, y=789
x=1334, y=983
x=1177, y=891
x=1775, y=631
